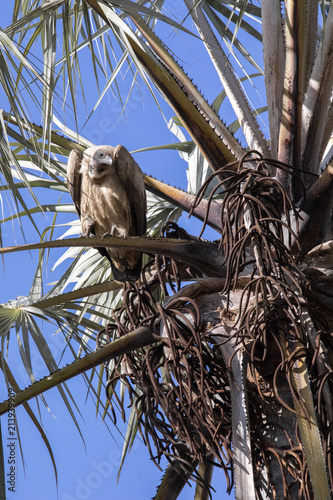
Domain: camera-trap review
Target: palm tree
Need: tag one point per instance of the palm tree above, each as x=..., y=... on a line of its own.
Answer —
x=224, y=346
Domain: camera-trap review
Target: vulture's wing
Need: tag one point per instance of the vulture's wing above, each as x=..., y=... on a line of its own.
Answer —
x=74, y=177
x=131, y=176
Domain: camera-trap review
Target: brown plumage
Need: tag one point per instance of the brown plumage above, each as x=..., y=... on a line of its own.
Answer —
x=108, y=191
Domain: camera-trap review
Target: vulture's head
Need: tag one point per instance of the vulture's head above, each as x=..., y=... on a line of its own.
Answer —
x=99, y=160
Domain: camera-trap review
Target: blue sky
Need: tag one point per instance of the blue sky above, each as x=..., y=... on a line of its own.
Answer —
x=81, y=467
x=89, y=471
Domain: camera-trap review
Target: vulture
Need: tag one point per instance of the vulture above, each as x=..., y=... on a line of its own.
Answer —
x=109, y=195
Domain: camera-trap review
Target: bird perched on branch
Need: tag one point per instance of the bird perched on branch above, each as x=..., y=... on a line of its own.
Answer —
x=108, y=191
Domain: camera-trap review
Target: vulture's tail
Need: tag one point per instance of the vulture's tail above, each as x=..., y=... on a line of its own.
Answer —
x=128, y=274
